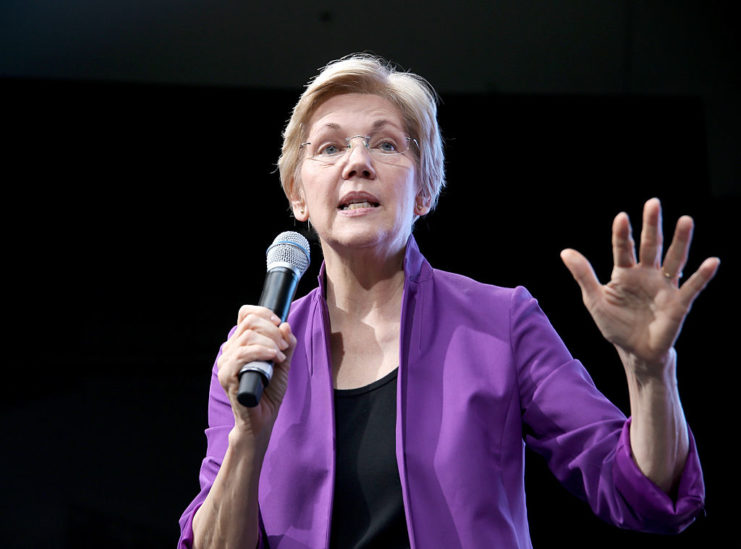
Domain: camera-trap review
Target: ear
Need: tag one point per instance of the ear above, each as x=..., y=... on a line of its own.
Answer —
x=422, y=204
x=300, y=212
x=298, y=204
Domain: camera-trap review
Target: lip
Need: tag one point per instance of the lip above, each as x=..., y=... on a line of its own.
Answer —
x=357, y=196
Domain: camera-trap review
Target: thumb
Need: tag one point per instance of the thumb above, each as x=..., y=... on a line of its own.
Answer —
x=582, y=271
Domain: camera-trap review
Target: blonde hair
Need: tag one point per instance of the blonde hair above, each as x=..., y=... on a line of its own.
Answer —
x=363, y=73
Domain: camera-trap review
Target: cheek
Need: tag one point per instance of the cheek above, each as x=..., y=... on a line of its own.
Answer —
x=412, y=191
x=316, y=192
x=304, y=183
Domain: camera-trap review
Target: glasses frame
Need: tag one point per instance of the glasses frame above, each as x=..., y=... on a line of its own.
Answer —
x=366, y=143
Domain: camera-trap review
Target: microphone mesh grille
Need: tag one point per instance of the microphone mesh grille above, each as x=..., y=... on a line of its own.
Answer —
x=292, y=248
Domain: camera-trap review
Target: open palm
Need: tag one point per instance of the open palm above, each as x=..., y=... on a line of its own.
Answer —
x=642, y=308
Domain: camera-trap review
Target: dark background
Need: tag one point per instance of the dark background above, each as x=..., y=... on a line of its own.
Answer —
x=140, y=195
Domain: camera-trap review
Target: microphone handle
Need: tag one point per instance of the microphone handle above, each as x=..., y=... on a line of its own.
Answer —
x=277, y=294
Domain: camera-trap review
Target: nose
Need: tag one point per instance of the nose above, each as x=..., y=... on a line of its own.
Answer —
x=358, y=162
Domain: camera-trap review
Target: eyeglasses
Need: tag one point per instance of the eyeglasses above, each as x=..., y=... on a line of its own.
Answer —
x=385, y=147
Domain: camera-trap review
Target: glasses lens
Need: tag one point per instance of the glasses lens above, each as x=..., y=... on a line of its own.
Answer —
x=388, y=146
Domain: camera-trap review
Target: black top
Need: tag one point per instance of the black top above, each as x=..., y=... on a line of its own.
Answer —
x=368, y=510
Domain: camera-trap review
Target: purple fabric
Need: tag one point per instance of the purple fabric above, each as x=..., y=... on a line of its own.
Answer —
x=482, y=372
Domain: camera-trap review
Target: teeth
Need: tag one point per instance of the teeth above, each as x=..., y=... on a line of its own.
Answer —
x=356, y=205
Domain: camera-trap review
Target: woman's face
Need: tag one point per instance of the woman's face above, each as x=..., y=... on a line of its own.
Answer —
x=361, y=198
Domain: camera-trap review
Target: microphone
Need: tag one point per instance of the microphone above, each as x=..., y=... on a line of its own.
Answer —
x=287, y=258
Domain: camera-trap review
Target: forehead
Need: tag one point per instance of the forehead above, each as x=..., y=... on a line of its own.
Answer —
x=356, y=112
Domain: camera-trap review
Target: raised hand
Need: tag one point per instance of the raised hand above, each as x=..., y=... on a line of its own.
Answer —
x=642, y=308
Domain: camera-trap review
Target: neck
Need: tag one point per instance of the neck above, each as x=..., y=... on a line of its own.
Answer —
x=364, y=283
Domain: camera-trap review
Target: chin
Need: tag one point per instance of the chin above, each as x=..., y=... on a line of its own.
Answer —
x=370, y=237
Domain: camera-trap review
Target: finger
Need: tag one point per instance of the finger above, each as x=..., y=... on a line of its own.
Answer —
x=651, y=234
x=266, y=335
x=268, y=338
x=259, y=340
x=623, y=245
x=264, y=312
x=285, y=330
x=255, y=352
x=237, y=347
x=697, y=282
x=676, y=255
x=229, y=365
x=252, y=345
x=582, y=272
x=254, y=317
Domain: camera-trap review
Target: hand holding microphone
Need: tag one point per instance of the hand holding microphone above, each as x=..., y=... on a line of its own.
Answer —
x=288, y=259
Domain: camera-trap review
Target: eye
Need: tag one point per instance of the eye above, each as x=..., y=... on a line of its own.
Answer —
x=330, y=149
x=386, y=145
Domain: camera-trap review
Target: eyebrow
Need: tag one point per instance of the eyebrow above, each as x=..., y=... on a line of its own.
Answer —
x=375, y=126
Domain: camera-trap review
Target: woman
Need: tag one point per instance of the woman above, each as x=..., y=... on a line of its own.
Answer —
x=404, y=392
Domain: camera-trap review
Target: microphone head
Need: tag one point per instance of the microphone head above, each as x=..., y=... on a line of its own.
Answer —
x=289, y=249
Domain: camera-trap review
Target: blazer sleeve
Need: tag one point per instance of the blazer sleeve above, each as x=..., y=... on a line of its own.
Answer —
x=584, y=437
x=220, y=423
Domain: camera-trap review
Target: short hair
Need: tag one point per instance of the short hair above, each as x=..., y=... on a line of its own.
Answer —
x=365, y=73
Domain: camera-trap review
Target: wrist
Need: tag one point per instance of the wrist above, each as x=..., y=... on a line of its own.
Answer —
x=659, y=372
x=247, y=443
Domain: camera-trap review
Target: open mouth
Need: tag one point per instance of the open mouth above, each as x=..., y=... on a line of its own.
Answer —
x=358, y=200
x=356, y=205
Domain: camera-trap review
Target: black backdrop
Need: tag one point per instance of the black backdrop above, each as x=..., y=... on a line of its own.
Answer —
x=136, y=219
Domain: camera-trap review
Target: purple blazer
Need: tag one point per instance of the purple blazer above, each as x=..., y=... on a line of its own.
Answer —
x=481, y=373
